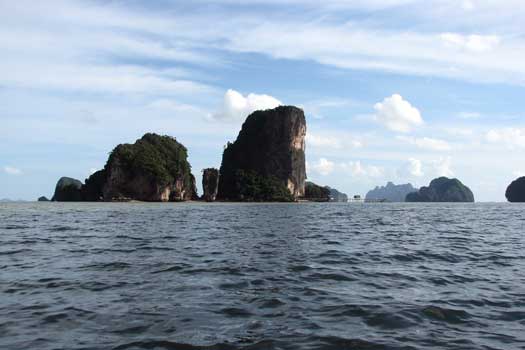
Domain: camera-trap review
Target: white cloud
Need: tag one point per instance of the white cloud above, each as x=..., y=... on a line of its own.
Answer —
x=323, y=166
x=322, y=141
x=359, y=170
x=473, y=42
x=507, y=137
x=443, y=167
x=12, y=170
x=467, y=5
x=415, y=167
x=237, y=107
x=336, y=141
x=397, y=114
x=427, y=143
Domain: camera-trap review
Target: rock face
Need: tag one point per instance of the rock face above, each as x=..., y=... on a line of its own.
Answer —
x=316, y=193
x=336, y=196
x=68, y=190
x=154, y=169
x=516, y=191
x=442, y=190
x=43, y=199
x=390, y=193
x=267, y=161
x=210, y=184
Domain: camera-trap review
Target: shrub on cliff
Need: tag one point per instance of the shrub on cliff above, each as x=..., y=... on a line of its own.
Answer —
x=160, y=157
x=253, y=187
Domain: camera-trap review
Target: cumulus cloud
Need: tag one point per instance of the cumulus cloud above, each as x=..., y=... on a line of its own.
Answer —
x=397, y=114
x=415, y=167
x=323, y=166
x=443, y=167
x=427, y=143
x=507, y=137
x=473, y=42
x=10, y=170
x=358, y=169
x=237, y=107
x=332, y=141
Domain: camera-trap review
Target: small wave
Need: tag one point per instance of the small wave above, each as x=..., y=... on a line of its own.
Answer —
x=17, y=251
x=447, y=315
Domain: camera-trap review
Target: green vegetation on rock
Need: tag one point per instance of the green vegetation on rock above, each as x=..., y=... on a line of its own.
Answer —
x=313, y=192
x=442, y=189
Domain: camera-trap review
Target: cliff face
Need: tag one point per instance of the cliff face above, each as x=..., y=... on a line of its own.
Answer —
x=442, y=190
x=516, y=191
x=390, y=192
x=154, y=168
x=67, y=190
x=210, y=184
x=267, y=160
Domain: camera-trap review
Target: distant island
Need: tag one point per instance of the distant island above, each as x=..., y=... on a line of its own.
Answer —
x=515, y=192
x=390, y=193
x=442, y=189
x=154, y=168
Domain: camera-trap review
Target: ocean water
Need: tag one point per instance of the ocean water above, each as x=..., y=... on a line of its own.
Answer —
x=262, y=276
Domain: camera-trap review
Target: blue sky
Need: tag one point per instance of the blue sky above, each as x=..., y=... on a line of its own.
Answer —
x=393, y=90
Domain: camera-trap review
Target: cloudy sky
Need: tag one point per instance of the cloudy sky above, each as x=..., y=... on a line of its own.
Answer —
x=393, y=90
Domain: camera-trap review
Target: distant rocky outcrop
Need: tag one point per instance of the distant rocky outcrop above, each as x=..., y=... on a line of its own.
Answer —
x=336, y=196
x=442, y=189
x=155, y=168
x=516, y=191
x=390, y=192
x=43, y=199
x=267, y=160
x=68, y=189
x=210, y=184
x=316, y=193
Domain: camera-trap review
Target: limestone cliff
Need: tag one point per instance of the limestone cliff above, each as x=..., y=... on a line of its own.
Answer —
x=67, y=189
x=442, y=189
x=154, y=168
x=267, y=160
x=210, y=184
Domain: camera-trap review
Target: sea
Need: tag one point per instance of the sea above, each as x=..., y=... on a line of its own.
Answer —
x=222, y=276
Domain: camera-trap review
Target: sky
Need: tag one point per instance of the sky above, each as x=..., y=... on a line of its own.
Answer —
x=393, y=90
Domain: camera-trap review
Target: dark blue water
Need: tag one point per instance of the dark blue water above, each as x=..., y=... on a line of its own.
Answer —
x=262, y=276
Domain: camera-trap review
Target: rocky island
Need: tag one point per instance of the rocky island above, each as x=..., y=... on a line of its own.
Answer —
x=267, y=160
x=390, y=193
x=442, y=189
x=515, y=192
x=210, y=184
x=154, y=169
